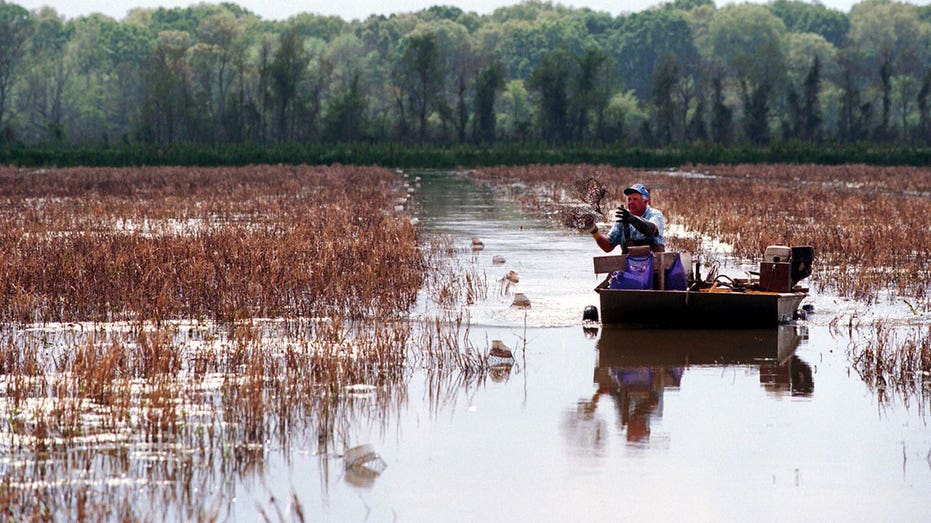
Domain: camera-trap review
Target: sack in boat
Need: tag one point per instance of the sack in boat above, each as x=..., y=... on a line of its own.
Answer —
x=637, y=276
x=675, y=279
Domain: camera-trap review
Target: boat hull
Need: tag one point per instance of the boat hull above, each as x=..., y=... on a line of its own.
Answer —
x=688, y=309
x=631, y=348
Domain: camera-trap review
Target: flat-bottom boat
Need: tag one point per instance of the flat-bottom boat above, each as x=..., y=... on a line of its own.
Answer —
x=770, y=299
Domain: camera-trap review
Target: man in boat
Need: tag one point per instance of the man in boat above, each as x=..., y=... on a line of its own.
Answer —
x=637, y=224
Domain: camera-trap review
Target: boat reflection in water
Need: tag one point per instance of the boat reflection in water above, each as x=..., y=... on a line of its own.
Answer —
x=636, y=366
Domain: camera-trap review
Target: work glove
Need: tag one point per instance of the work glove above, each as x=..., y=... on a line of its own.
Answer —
x=647, y=228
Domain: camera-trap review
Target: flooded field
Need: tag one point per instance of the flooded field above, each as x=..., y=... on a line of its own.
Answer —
x=582, y=423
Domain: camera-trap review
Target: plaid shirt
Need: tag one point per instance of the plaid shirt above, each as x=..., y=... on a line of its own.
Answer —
x=650, y=215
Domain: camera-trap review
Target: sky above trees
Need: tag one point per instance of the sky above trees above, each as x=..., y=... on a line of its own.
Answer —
x=355, y=9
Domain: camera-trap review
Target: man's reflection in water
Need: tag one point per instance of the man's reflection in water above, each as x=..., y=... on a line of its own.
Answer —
x=640, y=394
x=635, y=367
x=637, y=395
x=637, y=392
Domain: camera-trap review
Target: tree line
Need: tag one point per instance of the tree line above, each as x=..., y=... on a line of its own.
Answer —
x=682, y=73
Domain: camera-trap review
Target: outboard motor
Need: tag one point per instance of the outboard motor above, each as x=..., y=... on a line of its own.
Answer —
x=590, y=314
x=802, y=259
x=783, y=267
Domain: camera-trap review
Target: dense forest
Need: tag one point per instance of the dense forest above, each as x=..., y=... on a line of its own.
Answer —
x=685, y=72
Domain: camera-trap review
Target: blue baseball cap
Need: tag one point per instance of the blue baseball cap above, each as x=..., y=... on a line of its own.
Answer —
x=638, y=187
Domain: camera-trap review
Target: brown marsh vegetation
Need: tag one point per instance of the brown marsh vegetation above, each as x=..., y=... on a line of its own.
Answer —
x=893, y=360
x=157, y=243
x=161, y=328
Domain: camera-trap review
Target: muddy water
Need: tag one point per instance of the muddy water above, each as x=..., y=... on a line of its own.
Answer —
x=608, y=425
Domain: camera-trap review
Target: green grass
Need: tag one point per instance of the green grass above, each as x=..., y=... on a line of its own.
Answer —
x=459, y=156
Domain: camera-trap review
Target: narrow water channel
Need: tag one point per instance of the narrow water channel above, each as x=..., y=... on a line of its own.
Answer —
x=608, y=425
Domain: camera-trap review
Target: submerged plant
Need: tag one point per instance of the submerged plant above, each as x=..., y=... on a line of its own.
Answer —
x=895, y=362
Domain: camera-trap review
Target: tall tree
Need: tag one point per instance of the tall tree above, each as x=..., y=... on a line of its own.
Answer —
x=923, y=132
x=550, y=81
x=792, y=120
x=419, y=69
x=756, y=119
x=665, y=79
x=261, y=106
x=688, y=88
x=48, y=76
x=804, y=17
x=811, y=104
x=589, y=94
x=107, y=97
x=883, y=132
x=516, y=112
x=850, y=124
x=287, y=69
x=490, y=81
x=644, y=38
x=810, y=82
x=15, y=30
x=168, y=87
x=220, y=45
x=748, y=39
x=310, y=92
x=696, y=129
x=890, y=38
x=459, y=62
x=722, y=119
x=345, y=116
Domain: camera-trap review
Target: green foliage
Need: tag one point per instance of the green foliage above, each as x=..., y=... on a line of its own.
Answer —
x=461, y=156
x=15, y=29
x=665, y=78
x=345, y=120
x=722, y=120
x=326, y=28
x=810, y=125
x=490, y=81
x=588, y=96
x=418, y=71
x=522, y=44
x=688, y=5
x=527, y=11
x=804, y=17
x=747, y=38
x=180, y=18
x=647, y=36
x=550, y=82
x=442, y=12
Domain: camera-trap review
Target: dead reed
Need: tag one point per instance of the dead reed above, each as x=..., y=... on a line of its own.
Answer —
x=895, y=362
x=160, y=407
x=160, y=243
